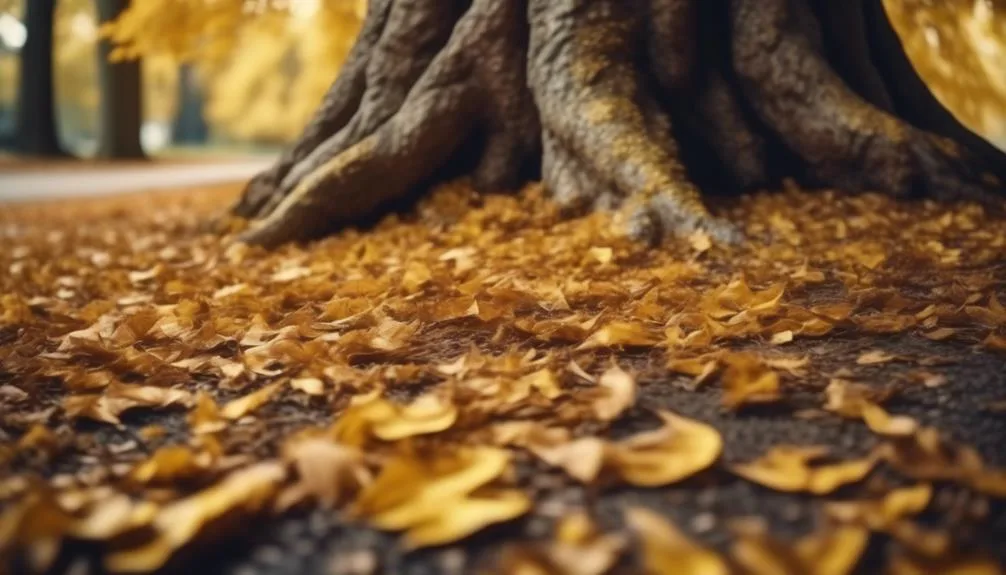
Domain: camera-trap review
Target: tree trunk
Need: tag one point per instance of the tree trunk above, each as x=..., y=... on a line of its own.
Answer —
x=37, y=133
x=121, y=96
x=190, y=123
x=626, y=105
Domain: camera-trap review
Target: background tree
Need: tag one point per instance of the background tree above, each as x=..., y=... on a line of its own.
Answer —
x=190, y=122
x=121, y=95
x=37, y=133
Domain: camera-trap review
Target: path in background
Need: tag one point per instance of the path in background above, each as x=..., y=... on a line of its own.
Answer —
x=33, y=184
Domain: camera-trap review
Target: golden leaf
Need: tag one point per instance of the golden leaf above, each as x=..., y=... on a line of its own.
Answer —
x=581, y=458
x=441, y=499
x=309, y=385
x=179, y=522
x=374, y=417
x=835, y=550
x=172, y=463
x=427, y=414
x=875, y=357
x=748, y=380
x=620, y=334
x=793, y=469
x=672, y=453
x=120, y=397
x=242, y=406
x=620, y=394
x=666, y=550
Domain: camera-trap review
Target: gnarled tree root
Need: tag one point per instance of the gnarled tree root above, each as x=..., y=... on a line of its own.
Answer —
x=600, y=94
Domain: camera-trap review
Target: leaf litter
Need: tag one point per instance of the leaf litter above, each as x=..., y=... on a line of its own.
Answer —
x=410, y=377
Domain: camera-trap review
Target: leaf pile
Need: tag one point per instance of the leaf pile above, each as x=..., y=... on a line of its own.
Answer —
x=160, y=384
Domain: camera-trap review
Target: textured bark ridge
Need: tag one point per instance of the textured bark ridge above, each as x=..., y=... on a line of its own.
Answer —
x=621, y=105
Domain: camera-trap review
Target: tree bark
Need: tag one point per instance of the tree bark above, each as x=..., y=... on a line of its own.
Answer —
x=121, y=96
x=625, y=105
x=37, y=131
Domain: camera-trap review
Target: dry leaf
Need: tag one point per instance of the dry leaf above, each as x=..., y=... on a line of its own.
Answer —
x=672, y=453
x=620, y=388
x=441, y=499
x=748, y=380
x=620, y=334
x=832, y=551
x=667, y=550
x=794, y=469
x=331, y=472
x=309, y=385
x=179, y=522
x=875, y=357
x=238, y=408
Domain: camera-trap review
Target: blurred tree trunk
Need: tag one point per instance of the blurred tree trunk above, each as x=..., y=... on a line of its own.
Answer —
x=37, y=133
x=121, y=96
x=190, y=123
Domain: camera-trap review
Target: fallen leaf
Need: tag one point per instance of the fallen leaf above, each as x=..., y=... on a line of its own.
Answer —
x=672, y=453
x=620, y=389
x=795, y=469
x=238, y=408
x=667, y=550
x=326, y=470
x=179, y=522
x=834, y=550
x=748, y=380
x=441, y=499
x=309, y=385
x=875, y=357
x=619, y=334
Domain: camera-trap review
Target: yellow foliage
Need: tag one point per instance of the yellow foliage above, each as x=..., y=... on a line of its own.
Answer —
x=266, y=68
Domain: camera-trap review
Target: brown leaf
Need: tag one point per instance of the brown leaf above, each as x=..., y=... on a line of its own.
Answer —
x=875, y=357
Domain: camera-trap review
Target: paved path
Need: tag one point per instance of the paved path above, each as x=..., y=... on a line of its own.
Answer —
x=38, y=184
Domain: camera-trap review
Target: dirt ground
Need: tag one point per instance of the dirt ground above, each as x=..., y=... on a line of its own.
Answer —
x=483, y=385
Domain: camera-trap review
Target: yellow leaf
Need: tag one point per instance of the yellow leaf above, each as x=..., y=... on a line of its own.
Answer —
x=672, y=453
x=620, y=334
x=667, y=551
x=748, y=380
x=309, y=385
x=468, y=516
x=238, y=408
x=582, y=458
x=792, y=469
x=835, y=550
x=441, y=499
x=620, y=390
x=427, y=414
x=179, y=522
x=875, y=357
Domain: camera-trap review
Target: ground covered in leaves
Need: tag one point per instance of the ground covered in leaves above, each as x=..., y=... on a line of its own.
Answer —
x=485, y=386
